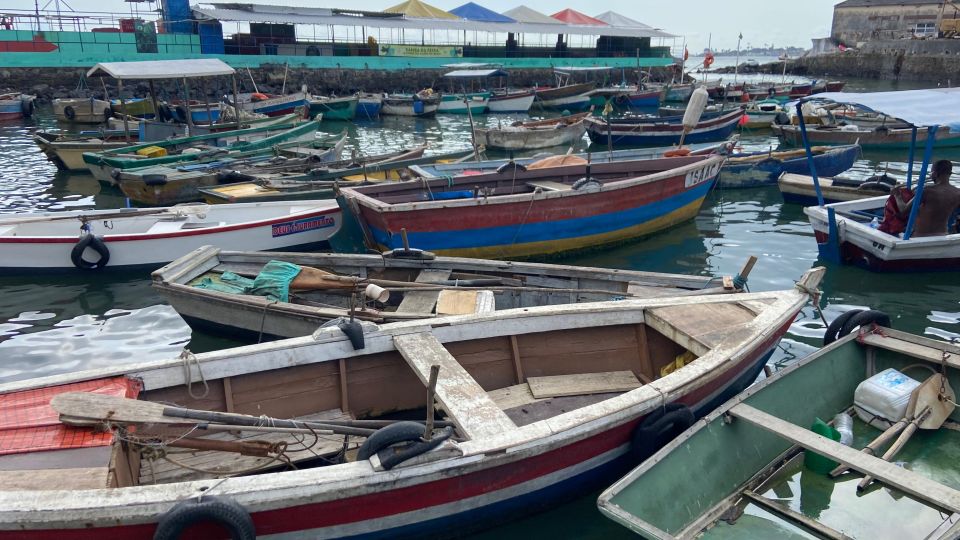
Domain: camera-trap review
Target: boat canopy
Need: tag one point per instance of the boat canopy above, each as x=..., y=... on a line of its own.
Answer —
x=476, y=73
x=162, y=69
x=474, y=12
x=921, y=108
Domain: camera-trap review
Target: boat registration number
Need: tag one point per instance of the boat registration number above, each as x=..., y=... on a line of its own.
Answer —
x=703, y=174
x=301, y=225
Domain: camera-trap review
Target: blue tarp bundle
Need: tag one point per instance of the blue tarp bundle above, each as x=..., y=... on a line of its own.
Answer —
x=475, y=12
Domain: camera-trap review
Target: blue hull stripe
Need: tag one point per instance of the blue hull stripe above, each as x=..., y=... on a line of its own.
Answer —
x=546, y=230
x=666, y=140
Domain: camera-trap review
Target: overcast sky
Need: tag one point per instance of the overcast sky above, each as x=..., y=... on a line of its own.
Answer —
x=761, y=21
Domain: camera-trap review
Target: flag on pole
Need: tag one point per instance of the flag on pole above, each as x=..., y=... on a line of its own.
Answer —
x=740, y=36
x=686, y=54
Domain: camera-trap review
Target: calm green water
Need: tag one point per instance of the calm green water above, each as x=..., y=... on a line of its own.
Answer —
x=66, y=323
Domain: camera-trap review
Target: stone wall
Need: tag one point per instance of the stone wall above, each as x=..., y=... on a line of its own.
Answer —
x=856, y=25
x=936, y=61
x=49, y=83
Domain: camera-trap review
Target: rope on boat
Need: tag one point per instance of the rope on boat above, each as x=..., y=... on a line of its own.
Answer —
x=186, y=356
x=263, y=320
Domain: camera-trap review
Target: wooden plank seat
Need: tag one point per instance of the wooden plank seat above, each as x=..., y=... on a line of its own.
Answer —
x=700, y=327
x=161, y=471
x=549, y=185
x=452, y=302
x=468, y=405
x=911, y=483
x=423, y=301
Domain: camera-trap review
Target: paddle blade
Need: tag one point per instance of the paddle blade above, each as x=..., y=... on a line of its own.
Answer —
x=929, y=395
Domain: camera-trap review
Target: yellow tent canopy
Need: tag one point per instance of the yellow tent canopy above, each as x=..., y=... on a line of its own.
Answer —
x=416, y=8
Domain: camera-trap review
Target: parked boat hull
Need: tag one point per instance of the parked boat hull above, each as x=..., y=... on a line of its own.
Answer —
x=81, y=110
x=663, y=133
x=410, y=107
x=505, y=139
x=368, y=108
x=759, y=172
x=799, y=189
x=863, y=246
x=511, y=103
x=290, y=227
x=547, y=223
x=335, y=109
x=891, y=139
x=453, y=104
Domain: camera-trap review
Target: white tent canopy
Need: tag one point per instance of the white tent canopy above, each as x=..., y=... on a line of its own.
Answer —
x=161, y=69
x=526, y=15
x=622, y=21
x=935, y=106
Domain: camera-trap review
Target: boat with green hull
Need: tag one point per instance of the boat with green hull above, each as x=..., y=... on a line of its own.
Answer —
x=755, y=468
x=198, y=148
x=344, y=108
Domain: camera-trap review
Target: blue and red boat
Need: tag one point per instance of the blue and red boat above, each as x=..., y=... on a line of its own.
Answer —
x=661, y=131
x=516, y=212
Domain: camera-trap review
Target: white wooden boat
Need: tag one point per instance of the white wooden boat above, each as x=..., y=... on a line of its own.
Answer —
x=273, y=105
x=511, y=101
x=82, y=110
x=538, y=406
x=565, y=130
x=862, y=245
x=419, y=288
x=422, y=104
x=573, y=97
x=129, y=237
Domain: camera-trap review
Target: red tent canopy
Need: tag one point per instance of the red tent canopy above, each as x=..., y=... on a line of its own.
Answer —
x=572, y=16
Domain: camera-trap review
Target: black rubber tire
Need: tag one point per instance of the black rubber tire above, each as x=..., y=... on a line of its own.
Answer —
x=390, y=435
x=584, y=182
x=658, y=428
x=69, y=112
x=163, y=112
x=155, y=179
x=182, y=112
x=834, y=327
x=864, y=318
x=107, y=113
x=27, y=107
x=781, y=119
x=415, y=449
x=221, y=510
x=95, y=243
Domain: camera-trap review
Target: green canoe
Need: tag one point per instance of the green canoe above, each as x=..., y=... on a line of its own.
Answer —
x=344, y=108
x=742, y=472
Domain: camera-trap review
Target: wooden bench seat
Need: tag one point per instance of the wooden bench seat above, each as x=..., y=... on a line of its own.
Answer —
x=700, y=327
x=469, y=406
x=162, y=471
x=423, y=301
x=548, y=185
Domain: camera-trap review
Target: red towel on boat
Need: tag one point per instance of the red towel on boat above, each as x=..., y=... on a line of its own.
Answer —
x=894, y=221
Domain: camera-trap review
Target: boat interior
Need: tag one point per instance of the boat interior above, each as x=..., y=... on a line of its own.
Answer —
x=150, y=221
x=490, y=383
x=771, y=475
x=513, y=178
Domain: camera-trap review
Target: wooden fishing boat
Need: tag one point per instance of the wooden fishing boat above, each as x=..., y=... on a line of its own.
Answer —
x=873, y=139
x=476, y=102
x=198, y=148
x=272, y=104
x=419, y=287
x=513, y=101
x=573, y=97
x=16, y=105
x=835, y=86
x=344, y=108
x=538, y=406
x=200, y=113
x=266, y=184
x=627, y=96
x=755, y=169
x=565, y=130
x=674, y=92
x=82, y=110
x=761, y=114
x=521, y=213
x=867, y=247
x=799, y=188
x=769, y=474
x=164, y=185
x=422, y=104
x=135, y=107
x=129, y=237
x=443, y=170
x=368, y=106
x=656, y=131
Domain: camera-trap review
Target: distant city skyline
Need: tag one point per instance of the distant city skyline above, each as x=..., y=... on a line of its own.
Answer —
x=699, y=22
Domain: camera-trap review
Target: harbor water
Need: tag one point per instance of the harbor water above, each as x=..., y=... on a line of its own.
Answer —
x=65, y=323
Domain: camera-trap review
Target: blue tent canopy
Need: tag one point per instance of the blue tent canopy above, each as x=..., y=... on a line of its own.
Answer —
x=475, y=12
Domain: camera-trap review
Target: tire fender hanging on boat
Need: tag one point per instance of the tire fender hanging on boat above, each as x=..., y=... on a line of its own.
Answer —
x=69, y=112
x=94, y=242
x=221, y=510
x=864, y=318
x=400, y=432
x=658, y=428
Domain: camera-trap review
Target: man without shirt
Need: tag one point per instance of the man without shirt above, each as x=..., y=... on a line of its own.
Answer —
x=940, y=201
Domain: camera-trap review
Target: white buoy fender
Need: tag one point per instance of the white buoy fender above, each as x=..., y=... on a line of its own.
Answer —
x=695, y=107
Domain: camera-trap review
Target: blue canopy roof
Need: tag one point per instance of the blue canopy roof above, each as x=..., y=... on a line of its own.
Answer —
x=476, y=12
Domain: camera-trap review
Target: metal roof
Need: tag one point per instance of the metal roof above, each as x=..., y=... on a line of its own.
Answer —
x=263, y=13
x=162, y=69
x=934, y=106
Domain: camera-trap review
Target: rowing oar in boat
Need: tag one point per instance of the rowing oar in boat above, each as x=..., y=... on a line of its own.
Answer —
x=86, y=408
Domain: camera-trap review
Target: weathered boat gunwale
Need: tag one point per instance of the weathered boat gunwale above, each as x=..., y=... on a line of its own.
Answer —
x=692, y=163
x=81, y=509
